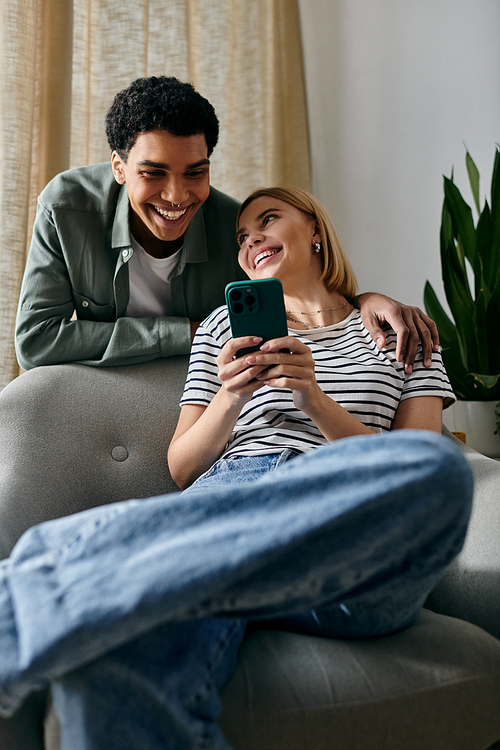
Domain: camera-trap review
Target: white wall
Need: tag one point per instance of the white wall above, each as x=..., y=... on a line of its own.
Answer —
x=395, y=87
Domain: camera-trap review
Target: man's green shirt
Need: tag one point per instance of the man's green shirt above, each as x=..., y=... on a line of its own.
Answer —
x=76, y=286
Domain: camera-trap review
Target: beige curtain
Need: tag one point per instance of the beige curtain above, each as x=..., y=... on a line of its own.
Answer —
x=62, y=63
x=17, y=90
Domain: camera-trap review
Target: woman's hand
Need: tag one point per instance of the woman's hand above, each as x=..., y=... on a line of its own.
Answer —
x=238, y=375
x=288, y=363
x=202, y=432
x=409, y=323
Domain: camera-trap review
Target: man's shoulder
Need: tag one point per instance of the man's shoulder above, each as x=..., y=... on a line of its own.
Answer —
x=90, y=188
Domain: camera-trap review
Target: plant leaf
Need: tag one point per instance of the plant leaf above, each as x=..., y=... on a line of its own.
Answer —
x=471, y=341
x=461, y=382
x=465, y=326
x=487, y=381
x=481, y=331
x=493, y=328
x=459, y=298
x=457, y=372
x=453, y=266
x=473, y=179
x=434, y=309
x=461, y=216
x=495, y=204
x=484, y=250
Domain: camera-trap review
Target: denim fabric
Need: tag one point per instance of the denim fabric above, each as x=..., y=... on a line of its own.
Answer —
x=158, y=692
x=241, y=469
x=353, y=534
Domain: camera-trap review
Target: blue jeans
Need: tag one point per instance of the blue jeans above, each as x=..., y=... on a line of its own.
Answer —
x=134, y=612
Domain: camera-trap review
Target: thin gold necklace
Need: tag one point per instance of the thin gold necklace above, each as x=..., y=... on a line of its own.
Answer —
x=323, y=309
x=313, y=325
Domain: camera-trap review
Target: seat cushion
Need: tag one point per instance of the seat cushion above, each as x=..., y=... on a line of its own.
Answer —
x=434, y=686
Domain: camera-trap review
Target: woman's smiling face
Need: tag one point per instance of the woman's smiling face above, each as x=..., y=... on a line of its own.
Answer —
x=276, y=239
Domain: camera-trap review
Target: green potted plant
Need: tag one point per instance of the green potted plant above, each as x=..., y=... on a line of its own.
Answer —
x=470, y=265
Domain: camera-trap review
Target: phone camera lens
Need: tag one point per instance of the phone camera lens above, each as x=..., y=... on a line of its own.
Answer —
x=238, y=308
x=249, y=299
x=236, y=295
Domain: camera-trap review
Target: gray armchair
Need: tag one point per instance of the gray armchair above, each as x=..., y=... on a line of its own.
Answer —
x=72, y=437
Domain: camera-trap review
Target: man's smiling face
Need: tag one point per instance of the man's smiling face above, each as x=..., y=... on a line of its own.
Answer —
x=163, y=169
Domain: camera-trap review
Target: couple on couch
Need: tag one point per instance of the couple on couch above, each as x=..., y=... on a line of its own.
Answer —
x=316, y=490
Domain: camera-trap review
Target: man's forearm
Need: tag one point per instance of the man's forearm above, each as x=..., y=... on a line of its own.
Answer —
x=99, y=344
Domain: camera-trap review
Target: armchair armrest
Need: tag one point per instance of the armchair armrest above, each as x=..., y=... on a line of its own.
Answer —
x=469, y=588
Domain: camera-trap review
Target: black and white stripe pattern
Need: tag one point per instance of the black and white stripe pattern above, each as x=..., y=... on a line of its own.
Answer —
x=350, y=368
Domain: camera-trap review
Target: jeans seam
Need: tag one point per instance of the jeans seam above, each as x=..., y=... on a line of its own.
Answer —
x=206, y=737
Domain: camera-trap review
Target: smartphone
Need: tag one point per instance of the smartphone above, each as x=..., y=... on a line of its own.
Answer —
x=256, y=308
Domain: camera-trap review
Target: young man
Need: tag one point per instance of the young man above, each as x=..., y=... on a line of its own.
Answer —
x=128, y=257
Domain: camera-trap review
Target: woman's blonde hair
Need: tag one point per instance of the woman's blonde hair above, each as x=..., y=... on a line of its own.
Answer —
x=337, y=273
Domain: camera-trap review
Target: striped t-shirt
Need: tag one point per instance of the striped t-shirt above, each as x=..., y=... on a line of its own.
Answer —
x=365, y=380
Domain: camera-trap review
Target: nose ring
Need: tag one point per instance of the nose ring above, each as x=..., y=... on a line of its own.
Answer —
x=176, y=204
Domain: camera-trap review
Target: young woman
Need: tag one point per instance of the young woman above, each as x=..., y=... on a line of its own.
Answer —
x=334, y=383
x=144, y=604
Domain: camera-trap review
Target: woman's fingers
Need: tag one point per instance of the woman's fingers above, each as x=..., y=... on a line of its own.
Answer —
x=285, y=362
x=231, y=348
x=236, y=374
x=287, y=344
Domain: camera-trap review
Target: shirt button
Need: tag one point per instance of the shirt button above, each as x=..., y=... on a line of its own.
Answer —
x=85, y=303
x=125, y=254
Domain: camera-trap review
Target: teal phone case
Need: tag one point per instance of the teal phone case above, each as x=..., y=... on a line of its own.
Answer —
x=256, y=308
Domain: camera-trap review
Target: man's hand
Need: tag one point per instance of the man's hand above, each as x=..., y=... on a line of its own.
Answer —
x=409, y=323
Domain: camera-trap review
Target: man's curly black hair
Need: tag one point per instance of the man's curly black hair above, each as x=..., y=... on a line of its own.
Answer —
x=159, y=103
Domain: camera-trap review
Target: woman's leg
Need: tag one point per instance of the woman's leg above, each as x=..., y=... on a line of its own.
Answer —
x=374, y=610
x=159, y=692
x=353, y=517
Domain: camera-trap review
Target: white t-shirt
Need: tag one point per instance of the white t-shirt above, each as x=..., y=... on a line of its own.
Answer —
x=365, y=380
x=149, y=282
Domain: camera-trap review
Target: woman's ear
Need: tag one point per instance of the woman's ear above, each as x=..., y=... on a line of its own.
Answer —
x=118, y=168
x=317, y=235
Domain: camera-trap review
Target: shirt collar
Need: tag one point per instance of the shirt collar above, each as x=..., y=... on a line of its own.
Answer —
x=120, y=235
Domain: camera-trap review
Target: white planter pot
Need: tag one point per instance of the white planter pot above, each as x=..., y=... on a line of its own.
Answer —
x=477, y=419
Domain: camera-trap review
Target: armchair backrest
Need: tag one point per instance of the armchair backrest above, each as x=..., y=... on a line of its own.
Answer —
x=73, y=437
